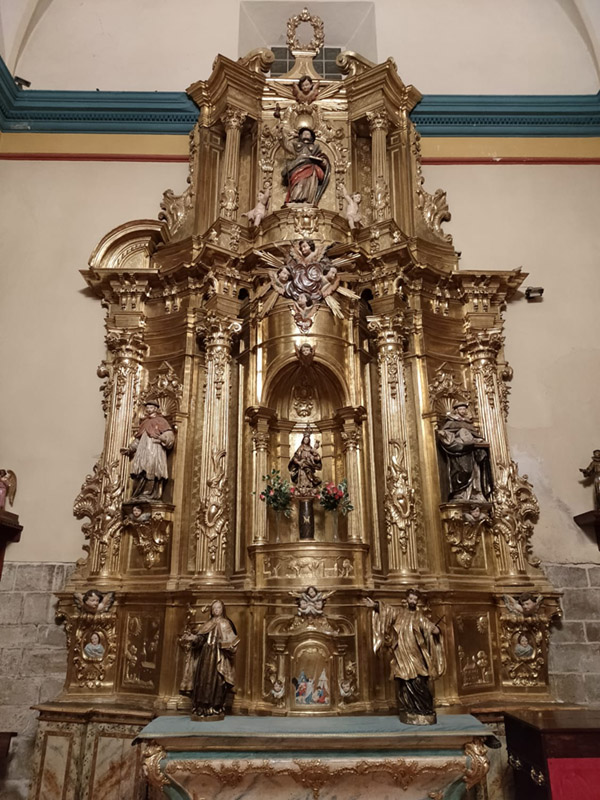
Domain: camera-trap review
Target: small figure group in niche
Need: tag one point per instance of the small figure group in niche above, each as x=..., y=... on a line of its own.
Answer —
x=148, y=451
x=417, y=655
x=209, y=672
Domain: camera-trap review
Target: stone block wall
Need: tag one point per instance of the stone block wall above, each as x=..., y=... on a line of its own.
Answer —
x=574, y=662
x=32, y=661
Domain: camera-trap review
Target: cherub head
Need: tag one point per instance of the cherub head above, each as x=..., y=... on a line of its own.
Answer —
x=283, y=275
x=528, y=604
x=306, y=247
x=305, y=84
x=136, y=512
x=91, y=600
x=357, y=197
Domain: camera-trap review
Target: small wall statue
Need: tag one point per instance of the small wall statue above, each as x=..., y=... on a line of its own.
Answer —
x=417, y=655
x=591, y=472
x=467, y=455
x=209, y=672
x=148, y=450
x=8, y=487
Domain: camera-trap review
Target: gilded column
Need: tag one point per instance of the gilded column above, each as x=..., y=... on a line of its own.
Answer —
x=515, y=507
x=213, y=519
x=233, y=119
x=352, y=419
x=400, y=521
x=379, y=124
x=103, y=492
x=259, y=419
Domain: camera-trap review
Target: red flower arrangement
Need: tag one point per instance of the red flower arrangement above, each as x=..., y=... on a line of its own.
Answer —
x=336, y=498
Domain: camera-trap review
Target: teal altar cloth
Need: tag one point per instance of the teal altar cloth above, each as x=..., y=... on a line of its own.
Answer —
x=314, y=758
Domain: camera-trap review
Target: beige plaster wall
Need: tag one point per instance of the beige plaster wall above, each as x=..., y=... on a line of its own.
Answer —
x=459, y=47
x=545, y=219
x=52, y=214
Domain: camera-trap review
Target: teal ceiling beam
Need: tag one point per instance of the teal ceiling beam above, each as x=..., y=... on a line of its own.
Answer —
x=40, y=111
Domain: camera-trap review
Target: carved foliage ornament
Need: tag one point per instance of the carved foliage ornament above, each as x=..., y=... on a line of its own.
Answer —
x=316, y=43
x=150, y=532
x=463, y=533
x=212, y=521
x=516, y=510
x=166, y=389
x=100, y=501
x=399, y=501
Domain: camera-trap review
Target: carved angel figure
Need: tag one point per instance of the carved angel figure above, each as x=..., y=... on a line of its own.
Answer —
x=94, y=601
x=8, y=487
x=525, y=605
x=311, y=602
x=305, y=92
x=308, y=277
x=352, y=212
x=259, y=212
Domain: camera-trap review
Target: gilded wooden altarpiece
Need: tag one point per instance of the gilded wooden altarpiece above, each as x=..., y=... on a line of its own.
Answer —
x=194, y=324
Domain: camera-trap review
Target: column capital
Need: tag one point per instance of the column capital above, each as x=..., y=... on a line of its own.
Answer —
x=387, y=329
x=233, y=118
x=378, y=120
x=126, y=344
x=483, y=344
x=216, y=330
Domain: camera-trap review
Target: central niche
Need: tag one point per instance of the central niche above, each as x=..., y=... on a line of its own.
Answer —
x=307, y=397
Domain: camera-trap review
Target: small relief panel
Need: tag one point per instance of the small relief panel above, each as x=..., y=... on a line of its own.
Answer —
x=311, y=676
x=140, y=668
x=474, y=651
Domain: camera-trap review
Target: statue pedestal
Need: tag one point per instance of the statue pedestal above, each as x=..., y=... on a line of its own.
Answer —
x=10, y=531
x=308, y=759
x=590, y=520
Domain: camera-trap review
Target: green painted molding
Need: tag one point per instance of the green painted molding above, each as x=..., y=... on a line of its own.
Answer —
x=39, y=111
